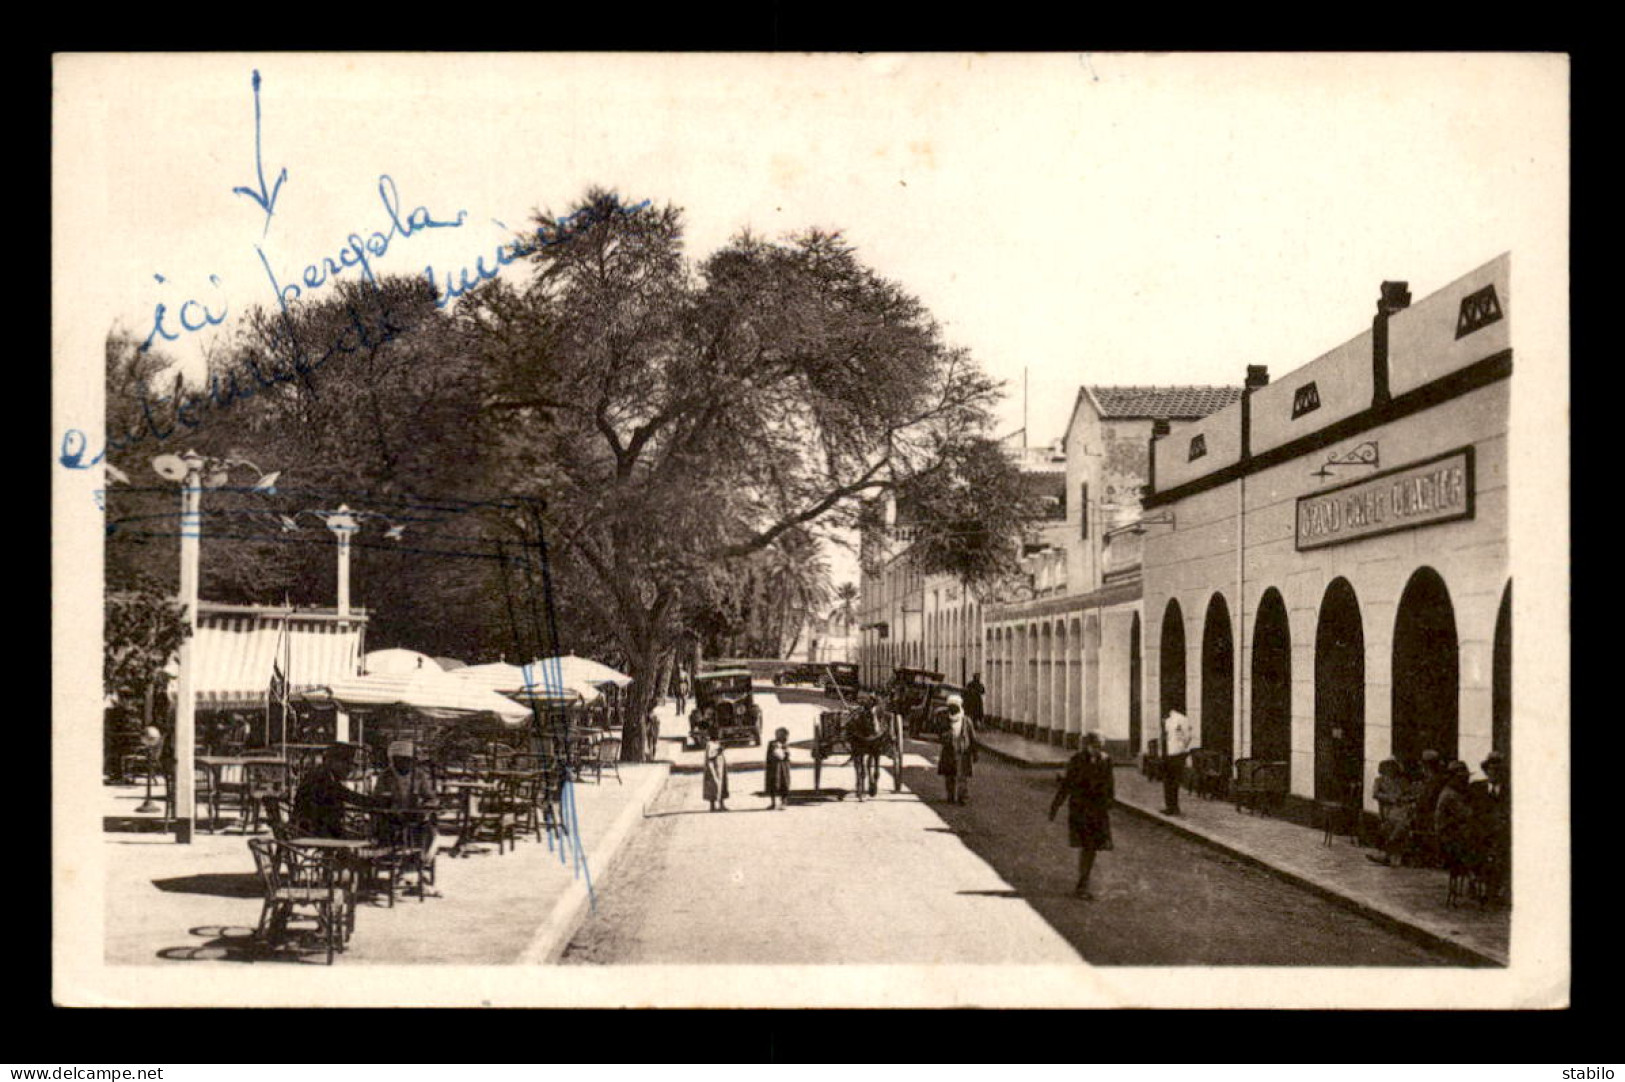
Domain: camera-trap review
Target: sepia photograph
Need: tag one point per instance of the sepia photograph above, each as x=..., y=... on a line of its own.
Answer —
x=810, y=530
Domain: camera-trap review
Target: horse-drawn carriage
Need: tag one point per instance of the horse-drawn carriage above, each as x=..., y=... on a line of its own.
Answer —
x=920, y=698
x=866, y=735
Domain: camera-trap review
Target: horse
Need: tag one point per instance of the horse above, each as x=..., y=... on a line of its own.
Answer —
x=866, y=736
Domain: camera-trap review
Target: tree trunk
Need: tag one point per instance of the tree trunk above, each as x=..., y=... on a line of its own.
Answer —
x=647, y=660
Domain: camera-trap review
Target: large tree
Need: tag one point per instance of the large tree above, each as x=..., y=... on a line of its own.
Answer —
x=362, y=399
x=969, y=514
x=674, y=417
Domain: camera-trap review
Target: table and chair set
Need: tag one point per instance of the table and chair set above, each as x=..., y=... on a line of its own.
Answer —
x=494, y=796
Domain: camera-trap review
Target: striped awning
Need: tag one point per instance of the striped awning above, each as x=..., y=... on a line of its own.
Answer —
x=237, y=645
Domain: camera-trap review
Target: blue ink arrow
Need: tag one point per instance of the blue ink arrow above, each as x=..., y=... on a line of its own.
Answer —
x=266, y=199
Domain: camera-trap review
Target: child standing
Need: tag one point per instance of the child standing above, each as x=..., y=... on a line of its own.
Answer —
x=778, y=770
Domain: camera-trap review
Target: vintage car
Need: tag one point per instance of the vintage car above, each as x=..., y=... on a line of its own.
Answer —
x=799, y=674
x=724, y=708
x=839, y=679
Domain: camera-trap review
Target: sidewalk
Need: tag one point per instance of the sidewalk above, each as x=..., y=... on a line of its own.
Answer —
x=1412, y=898
x=199, y=903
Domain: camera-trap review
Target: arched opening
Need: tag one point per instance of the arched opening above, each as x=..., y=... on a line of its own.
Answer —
x=1501, y=678
x=1272, y=680
x=1134, y=686
x=1218, y=678
x=1426, y=681
x=1339, y=692
x=1172, y=660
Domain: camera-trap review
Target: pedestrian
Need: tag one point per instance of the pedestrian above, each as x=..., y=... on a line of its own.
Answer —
x=975, y=697
x=716, y=773
x=1087, y=790
x=682, y=692
x=778, y=770
x=1176, y=744
x=651, y=732
x=958, y=751
x=1492, y=809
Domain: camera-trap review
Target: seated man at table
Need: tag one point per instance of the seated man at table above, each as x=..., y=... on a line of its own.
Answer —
x=408, y=783
x=318, y=806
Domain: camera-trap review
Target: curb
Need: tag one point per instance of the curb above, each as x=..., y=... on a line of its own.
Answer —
x=570, y=911
x=1016, y=760
x=1389, y=920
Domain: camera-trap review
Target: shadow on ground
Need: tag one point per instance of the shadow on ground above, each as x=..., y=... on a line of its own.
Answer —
x=1160, y=899
x=214, y=884
x=134, y=824
x=228, y=943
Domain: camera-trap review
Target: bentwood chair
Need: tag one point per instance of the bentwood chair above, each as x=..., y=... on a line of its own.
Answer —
x=1342, y=815
x=299, y=884
x=264, y=782
x=609, y=757
x=405, y=846
x=203, y=795
x=493, y=814
x=277, y=816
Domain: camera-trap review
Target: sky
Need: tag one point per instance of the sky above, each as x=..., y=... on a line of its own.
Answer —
x=1070, y=218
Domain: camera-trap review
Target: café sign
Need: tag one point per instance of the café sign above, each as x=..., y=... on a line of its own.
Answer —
x=1421, y=494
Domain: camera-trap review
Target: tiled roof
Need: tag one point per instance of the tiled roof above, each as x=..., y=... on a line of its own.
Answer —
x=1163, y=403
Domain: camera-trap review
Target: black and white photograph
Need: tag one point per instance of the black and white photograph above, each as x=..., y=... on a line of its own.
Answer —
x=810, y=530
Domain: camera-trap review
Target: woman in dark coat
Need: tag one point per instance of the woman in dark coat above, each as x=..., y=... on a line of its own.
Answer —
x=1086, y=789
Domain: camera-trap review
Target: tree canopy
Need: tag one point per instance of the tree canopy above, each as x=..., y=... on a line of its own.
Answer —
x=686, y=432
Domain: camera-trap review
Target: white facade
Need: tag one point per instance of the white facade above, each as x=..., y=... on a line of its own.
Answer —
x=1327, y=582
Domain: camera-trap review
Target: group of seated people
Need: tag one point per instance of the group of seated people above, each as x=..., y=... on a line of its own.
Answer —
x=322, y=798
x=1432, y=812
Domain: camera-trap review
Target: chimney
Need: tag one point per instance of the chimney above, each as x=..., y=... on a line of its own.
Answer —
x=1395, y=297
x=1159, y=428
x=1258, y=375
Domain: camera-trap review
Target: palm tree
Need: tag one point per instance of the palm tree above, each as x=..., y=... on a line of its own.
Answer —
x=847, y=595
x=792, y=585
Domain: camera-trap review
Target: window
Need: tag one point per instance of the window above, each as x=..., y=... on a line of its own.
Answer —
x=1305, y=399
x=1083, y=508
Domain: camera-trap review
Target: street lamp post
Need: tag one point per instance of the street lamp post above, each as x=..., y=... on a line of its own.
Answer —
x=189, y=469
x=343, y=523
x=186, y=700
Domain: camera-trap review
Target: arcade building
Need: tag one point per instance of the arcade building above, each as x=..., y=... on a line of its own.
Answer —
x=1325, y=567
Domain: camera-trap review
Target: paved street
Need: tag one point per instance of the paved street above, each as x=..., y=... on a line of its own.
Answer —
x=912, y=880
x=827, y=880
